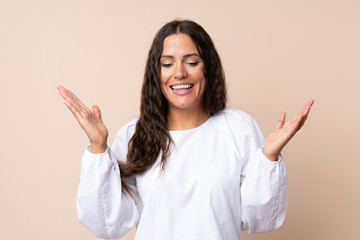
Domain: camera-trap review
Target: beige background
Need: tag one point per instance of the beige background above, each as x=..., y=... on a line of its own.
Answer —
x=277, y=54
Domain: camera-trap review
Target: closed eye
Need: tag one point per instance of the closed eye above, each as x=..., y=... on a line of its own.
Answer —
x=193, y=63
x=167, y=65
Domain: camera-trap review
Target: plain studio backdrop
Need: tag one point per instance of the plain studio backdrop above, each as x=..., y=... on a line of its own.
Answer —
x=276, y=55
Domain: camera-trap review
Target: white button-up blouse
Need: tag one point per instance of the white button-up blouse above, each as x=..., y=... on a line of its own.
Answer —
x=217, y=182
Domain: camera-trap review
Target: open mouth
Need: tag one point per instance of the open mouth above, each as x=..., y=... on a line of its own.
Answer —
x=181, y=87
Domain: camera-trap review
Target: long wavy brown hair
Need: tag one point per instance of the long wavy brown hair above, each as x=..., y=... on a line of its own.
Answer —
x=151, y=137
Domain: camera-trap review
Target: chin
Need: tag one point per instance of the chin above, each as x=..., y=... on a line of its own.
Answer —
x=185, y=106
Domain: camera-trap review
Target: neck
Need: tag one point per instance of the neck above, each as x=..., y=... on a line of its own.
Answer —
x=179, y=119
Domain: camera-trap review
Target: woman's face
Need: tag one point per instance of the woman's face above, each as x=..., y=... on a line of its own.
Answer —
x=182, y=73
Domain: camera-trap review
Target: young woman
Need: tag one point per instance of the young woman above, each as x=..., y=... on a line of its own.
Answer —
x=188, y=168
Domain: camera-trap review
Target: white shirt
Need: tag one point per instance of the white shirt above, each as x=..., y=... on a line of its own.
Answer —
x=216, y=183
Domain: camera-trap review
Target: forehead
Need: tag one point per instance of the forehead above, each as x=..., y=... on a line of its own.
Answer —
x=179, y=44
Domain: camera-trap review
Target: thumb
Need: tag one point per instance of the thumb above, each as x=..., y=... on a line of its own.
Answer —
x=281, y=120
x=97, y=112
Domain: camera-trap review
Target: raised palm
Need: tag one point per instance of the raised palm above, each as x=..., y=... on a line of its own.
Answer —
x=89, y=120
x=283, y=132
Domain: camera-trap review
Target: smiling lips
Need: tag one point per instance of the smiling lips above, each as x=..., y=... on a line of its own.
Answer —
x=181, y=89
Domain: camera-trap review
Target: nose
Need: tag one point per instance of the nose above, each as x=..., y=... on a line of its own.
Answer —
x=180, y=72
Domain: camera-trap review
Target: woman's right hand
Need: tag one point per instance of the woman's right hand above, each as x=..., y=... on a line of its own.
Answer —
x=89, y=120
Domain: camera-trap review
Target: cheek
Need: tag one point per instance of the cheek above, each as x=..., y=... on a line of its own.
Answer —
x=200, y=75
x=203, y=86
x=164, y=77
x=162, y=82
x=201, y=80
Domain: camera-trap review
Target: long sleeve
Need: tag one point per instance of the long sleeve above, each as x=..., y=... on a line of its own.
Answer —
x=263, y=188
x=101, y=206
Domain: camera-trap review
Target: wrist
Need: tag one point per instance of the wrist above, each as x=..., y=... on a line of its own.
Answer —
x=271, y=156
x=95, y=148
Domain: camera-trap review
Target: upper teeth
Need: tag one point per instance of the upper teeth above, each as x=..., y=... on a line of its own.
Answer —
x=181, y=86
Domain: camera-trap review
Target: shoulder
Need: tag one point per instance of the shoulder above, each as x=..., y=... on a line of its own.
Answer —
x=238, y=122
x=122, y=138
x=235, y=117
x=235, y=113
x=128, y=129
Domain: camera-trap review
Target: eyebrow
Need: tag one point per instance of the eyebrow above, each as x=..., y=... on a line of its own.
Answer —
x=185, y=56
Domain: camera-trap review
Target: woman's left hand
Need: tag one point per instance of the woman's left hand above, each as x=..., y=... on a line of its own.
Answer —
x=283, y=132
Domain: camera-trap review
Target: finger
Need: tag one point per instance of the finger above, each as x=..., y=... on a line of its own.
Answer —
x=59, y=87
x=76, y=103
x=78, y=100
x=97, y=112
x=65, y=93
x=75, y=111
x=296, y=119
x=306, y=108
x=74, y=98
x=306, y=114
x=62, y=91
x=292, y=126
x=301, y=116
x=72, y=103
x=281, y=120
